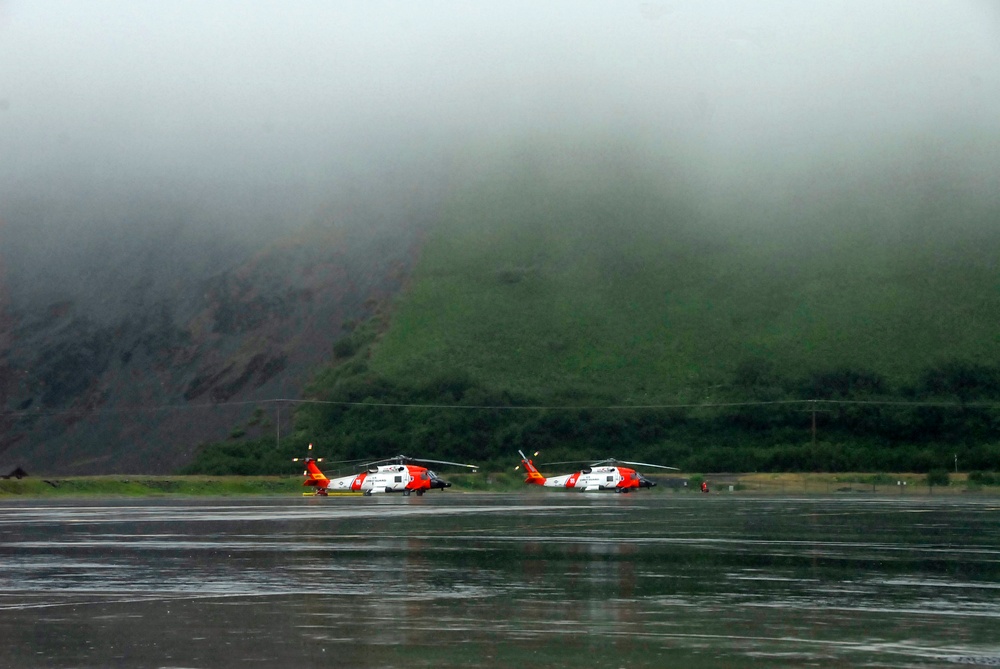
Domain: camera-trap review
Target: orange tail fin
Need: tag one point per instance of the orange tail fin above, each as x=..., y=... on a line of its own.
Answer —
x=314, y=476
x=534, y=476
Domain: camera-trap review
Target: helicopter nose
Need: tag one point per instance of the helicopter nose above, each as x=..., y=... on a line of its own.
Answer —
x=440, y=483
x=645, y=482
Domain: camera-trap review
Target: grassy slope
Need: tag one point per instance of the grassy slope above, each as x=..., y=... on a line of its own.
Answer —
x=582, y=286
x=618, y=291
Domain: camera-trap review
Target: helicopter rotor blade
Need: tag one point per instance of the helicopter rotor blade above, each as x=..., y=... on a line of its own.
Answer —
x=328, y=462
x=403, y=459
x=394, y=460
x=606, y=461
x=376, y=463
x=648, y=464
x=445, y=462
x=629, y=462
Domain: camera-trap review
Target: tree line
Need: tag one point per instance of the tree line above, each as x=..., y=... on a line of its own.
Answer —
x=829, y=420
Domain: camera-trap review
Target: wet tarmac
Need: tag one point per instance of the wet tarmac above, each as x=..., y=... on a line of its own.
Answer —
x=521, y=580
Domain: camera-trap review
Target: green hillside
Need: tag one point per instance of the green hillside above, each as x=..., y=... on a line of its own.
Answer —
x=613, y=288
x=589, y=291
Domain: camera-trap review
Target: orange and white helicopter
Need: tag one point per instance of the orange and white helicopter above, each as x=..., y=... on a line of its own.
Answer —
x=387, y=475
x=602, y=475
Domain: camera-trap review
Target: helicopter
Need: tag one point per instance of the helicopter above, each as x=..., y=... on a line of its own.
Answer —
x=602, y=475
x=393, y=474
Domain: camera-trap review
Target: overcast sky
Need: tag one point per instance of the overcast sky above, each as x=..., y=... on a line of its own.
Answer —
x=220, y=103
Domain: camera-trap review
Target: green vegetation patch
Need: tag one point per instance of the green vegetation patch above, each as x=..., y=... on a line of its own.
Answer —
x=553, y=310
x=614, y=284
x=145, y=486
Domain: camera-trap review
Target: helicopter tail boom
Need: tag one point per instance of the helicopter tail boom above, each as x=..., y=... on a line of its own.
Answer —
x=314, y=477
x=534, y=476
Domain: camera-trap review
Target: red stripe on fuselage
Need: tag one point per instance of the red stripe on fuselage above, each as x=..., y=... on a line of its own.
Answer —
x=418, y=478
x=356, y=483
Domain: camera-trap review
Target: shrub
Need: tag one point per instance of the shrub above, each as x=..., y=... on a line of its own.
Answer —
x=344, y=348
x=937, y=477
x=982, y=478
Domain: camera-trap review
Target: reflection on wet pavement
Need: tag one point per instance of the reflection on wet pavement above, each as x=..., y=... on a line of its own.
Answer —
x=512, y=580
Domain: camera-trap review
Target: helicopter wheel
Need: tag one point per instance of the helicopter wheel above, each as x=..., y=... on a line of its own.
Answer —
x=367, y=493
x=406, y=493
x=420, y=493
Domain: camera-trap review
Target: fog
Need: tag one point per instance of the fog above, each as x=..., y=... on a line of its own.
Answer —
x=219, y=124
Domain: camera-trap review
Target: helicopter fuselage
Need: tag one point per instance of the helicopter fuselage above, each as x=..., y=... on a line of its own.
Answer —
x=590, y=479
x=599, y=478
x=406, y=479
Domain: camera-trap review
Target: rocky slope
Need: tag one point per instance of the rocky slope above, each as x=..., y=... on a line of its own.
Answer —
x=135, y=387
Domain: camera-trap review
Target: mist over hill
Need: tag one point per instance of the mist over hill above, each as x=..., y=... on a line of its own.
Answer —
x=587, y=303
x=580, y=201
x=606, y=271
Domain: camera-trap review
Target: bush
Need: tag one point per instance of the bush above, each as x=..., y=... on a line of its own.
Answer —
x=937, y=477
x=344, y=348
x=982, y=478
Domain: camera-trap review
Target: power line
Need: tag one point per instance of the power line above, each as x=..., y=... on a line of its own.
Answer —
x=500, y=407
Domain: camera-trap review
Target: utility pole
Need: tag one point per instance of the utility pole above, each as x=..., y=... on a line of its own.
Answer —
x=813, y=410
x=814, y=423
